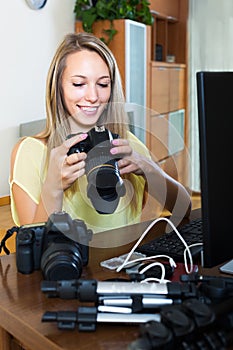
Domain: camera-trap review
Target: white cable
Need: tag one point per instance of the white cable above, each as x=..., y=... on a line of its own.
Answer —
x=185, y=254
x=154, y=279
x=138, y=242
x=146, y=268
x=144, y=234
x=171, y=260
x=151, y=279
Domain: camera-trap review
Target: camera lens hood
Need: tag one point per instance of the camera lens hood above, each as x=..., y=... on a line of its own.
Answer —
x=105, y=191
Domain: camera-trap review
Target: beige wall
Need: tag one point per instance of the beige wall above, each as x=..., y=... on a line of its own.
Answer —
x=28, y=40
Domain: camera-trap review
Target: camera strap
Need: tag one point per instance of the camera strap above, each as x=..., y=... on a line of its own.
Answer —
x=8, y=234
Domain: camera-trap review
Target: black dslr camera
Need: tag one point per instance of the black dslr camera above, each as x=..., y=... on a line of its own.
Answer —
x=105, y=186
x=59, y=247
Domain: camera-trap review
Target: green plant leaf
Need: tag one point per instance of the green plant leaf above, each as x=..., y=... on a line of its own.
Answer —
x=136, y=10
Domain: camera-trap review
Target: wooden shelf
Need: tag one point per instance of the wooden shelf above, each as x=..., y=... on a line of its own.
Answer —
x=168, y=100
x=167, y=65
x=169, y=30
x=165, y=35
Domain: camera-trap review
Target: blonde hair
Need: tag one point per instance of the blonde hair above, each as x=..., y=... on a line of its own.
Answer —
x=114, y=116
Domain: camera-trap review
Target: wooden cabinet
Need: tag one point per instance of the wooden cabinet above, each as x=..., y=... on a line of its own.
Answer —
x=166, y=7
x=167, y=87
x=177, y=87
x=168, y=117
x=163, y=37
x=159, y=136
x=160, y=80
x=167, y=109
x=169, y=33
x=167, y=134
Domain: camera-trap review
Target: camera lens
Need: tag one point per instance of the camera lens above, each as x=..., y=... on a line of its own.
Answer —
x=61, y=261
x=105, y=186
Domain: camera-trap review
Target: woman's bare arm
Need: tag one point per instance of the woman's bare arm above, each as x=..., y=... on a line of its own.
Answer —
x=62, y=172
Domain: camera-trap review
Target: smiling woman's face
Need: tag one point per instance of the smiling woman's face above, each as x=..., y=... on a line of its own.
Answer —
x=86, y=88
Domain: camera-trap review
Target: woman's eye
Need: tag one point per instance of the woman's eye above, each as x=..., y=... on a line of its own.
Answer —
x=103, y=85
x=77, y=84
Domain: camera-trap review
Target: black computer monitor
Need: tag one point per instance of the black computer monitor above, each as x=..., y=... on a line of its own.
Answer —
x=215, y=117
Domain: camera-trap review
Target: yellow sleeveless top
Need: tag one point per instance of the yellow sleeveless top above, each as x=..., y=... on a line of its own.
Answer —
x=30, y=171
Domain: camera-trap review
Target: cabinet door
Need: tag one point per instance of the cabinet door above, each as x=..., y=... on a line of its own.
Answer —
x=160, y=89
x=176, y=131
x=177, y=92
x=176, y=167
x=135, y=68
x=135, y=73
x=159, y=136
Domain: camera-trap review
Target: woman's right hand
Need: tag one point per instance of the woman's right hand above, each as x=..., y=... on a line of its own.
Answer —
x=64, y=170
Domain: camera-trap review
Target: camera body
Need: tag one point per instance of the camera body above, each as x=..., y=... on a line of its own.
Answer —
x=105, y=186
x=59, y=247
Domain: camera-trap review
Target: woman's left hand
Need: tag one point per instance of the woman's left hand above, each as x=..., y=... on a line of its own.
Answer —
x=160, y=185
x=130, y=161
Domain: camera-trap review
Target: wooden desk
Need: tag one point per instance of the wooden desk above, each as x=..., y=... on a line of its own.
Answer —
x=22, y=303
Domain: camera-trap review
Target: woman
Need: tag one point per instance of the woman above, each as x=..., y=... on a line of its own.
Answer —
x=84, y=90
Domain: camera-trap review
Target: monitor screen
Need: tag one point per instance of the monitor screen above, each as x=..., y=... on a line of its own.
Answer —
x=215, y=117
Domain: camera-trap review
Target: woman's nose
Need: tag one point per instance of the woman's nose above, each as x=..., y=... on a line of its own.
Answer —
x=91, y=94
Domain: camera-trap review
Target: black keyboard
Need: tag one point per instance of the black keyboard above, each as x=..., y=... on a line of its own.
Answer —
x=170, y=244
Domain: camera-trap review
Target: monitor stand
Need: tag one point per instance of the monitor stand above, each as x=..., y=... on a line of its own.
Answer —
x=227, y=267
